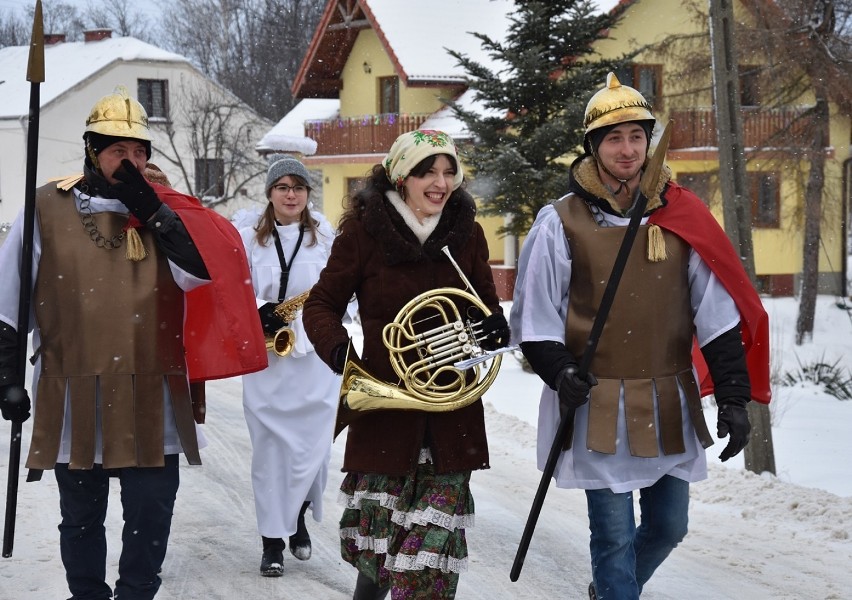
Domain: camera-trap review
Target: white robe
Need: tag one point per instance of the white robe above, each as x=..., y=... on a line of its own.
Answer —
x=539, y=310
x=290, y=407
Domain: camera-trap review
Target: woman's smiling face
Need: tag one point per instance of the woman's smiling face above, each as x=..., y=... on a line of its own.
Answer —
x=426, y=195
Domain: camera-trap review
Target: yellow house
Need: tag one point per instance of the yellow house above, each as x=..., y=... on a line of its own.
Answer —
x=776, y=175
x=386, y=63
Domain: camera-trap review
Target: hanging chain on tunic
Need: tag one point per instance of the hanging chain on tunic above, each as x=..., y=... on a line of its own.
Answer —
x=597, y=214
x=88, y=221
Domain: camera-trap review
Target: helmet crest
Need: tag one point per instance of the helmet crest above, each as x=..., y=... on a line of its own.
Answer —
x=614, y=104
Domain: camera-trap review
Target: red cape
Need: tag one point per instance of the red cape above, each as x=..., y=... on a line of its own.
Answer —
x=222, y=333
x=686, y=216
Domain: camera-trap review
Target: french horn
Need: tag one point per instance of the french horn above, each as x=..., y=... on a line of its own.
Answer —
x=426, y=341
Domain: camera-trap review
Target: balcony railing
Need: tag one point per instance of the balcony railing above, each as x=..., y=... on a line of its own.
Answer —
x=768, y=128
x=370, y=134
x=693, y=128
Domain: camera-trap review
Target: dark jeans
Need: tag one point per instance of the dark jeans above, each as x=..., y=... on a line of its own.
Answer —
x=625, y=556
x=147, y=499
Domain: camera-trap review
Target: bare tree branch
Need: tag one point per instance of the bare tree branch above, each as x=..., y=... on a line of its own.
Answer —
x=219, y=130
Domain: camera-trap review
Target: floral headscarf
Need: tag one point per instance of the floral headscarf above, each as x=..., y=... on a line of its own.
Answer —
x=411, y=148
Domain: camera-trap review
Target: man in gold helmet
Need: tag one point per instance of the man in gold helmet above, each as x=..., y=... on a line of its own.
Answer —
x=137, y=290
x=683, y=307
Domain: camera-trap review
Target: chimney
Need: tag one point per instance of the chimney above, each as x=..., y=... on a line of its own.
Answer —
x=53, y=38
x=96, y=35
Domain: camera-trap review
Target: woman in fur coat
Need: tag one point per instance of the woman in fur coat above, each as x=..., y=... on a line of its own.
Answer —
x=406, y=489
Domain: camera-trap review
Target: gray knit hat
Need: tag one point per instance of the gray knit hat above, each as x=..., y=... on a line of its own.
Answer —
x=281, y=165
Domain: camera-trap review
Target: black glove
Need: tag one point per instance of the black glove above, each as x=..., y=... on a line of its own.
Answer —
x=573, y=390
x=14, y=403
x=134, y=192
x=495, y=332
x=270, y=321
x=733, y=422
x=338, y=358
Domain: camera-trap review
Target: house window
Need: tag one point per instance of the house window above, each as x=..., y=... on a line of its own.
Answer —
x=697, y=183
x=765, y=194
x=749, y=85
x=648, y=79
x=388, y=95
x=209, y=177
x=154, y=96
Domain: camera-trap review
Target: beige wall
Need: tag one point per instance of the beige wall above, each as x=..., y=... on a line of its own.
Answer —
x=360, y=92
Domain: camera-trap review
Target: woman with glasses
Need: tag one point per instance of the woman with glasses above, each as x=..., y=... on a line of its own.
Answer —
x=290, y=406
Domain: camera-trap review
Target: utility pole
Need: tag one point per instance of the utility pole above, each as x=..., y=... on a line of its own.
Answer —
x=736, y=206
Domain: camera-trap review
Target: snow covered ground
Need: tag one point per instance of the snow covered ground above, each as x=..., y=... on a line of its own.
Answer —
x=756, y=537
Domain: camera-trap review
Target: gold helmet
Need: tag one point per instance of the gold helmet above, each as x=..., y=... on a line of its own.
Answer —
x=614, y=104
x=119, y=115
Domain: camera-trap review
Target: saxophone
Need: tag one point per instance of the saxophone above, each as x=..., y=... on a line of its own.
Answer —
x=284, y=340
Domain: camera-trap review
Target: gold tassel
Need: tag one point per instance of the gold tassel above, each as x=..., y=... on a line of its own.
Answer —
x=134, y=250
x=656, y=244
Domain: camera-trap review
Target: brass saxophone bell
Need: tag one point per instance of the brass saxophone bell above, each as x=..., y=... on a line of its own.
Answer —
x=283, y=342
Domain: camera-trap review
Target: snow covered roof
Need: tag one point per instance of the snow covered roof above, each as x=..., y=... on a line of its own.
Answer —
x=66, y=65
x=445, y=119
x=415, y=35
x=288, y=135
x=437, y=25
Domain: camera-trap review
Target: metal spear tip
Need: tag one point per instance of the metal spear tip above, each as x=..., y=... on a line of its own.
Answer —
x=35, y=65
x=651, y=176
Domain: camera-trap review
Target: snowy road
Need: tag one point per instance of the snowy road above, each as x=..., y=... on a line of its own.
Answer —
x=750, y=537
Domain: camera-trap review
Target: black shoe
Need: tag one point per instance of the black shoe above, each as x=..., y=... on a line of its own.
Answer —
x=300, y=542
x=272, y=563
x=592, y=593
x=367, y=589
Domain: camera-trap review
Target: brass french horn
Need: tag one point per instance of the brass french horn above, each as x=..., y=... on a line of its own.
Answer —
x=424, y=361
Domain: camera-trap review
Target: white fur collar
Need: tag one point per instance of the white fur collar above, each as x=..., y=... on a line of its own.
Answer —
x=421, y=230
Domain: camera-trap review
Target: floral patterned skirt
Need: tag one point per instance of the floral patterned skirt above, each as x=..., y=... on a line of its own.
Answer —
x=408, y=532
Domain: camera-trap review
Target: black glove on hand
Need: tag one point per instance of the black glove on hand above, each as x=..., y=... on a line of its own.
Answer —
x=14, y=403
x=572, y=389
x=733, y=422
x=134, y=192
x=270, y=321
x=495, y=332
x=338, y=358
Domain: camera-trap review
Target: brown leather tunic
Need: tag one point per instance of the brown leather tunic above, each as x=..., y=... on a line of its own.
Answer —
x=646, y=343
x=111, y=331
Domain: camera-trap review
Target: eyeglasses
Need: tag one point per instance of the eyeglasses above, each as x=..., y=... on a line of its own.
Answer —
x=285, y=189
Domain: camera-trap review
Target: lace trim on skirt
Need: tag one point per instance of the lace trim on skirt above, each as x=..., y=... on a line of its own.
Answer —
x=406, y=523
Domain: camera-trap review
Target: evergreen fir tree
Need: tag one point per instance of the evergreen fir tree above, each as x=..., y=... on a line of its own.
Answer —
x=534, y=105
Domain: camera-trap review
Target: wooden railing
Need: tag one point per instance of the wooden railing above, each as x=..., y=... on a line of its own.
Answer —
x=768, y=128
x=370, y=134
x=693, y=128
